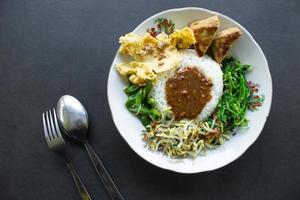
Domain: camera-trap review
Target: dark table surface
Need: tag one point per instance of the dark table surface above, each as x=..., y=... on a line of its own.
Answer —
x=53, y=47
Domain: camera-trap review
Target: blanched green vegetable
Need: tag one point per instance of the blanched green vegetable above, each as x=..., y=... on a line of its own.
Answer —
x=151, y=101
x=145, y=119
x=154, y=114
x=139, y=97
x=148, y=87
x=237, y=97
x=131, y=89
x=130, y=101
x=141, y=104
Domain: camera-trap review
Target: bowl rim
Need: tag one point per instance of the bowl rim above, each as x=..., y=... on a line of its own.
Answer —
x=235, y=156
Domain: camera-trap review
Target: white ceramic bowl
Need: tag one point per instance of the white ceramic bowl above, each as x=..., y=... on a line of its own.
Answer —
x=245, y=49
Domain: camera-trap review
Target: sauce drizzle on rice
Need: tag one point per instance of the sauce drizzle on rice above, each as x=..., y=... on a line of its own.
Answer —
x=187, y=92
x=208, y=68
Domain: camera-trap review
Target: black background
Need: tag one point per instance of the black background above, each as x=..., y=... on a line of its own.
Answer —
x=53, y=47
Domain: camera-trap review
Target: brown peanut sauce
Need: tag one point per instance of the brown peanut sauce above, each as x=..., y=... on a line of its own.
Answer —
x=187, y=92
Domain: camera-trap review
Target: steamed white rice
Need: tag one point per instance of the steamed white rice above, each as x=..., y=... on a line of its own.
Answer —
x=206, y=65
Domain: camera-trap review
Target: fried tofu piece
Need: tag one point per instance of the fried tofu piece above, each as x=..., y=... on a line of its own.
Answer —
x=223, y=41
x=204, y=32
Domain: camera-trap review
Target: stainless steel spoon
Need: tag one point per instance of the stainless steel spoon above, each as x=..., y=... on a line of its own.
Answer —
x=73, y=118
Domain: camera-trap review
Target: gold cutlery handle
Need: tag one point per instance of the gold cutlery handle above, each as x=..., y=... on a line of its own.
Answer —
x=79, y=184
x=107, y=181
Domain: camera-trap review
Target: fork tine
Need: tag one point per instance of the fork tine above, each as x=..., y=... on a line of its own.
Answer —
x=54, y=132
x=56, y=124
x=51, y=135
x=45, y=129
x=59, y=140
x=54, y=138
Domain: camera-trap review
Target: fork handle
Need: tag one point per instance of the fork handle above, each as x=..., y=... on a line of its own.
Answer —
x=79, y=184
x=107, y=181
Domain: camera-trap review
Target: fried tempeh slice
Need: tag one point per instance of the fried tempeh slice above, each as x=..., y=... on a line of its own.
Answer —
x=204, y=32
x=223, y=41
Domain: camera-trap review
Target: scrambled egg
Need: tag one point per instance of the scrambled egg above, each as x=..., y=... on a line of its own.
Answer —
x=135, y=45
x=138, y=72
x=183, y=38
x=152, y=55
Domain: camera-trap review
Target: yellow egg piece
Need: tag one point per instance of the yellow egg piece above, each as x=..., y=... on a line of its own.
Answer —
x=152, y=55
x=183, y=39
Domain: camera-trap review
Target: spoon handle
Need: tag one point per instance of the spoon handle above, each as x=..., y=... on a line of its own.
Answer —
x=107, y=181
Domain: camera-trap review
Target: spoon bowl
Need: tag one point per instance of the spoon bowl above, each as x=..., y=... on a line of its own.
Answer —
x=72, y=117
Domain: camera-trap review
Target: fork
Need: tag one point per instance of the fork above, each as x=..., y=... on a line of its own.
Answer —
x=57, y=144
